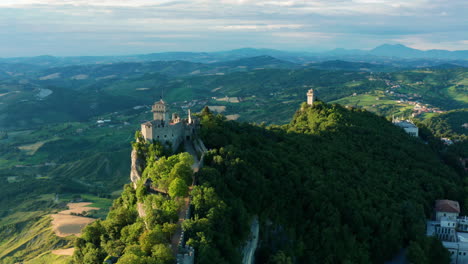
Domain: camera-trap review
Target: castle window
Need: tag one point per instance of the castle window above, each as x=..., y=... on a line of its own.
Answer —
x=165, y=136
x=158, y=136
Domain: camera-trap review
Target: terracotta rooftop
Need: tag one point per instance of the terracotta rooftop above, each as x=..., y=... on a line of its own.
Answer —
x=447, y=206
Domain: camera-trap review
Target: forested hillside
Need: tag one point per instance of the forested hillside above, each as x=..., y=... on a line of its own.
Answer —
x=453, y=124
x=335, y=185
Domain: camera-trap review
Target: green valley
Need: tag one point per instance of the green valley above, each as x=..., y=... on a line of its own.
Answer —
x=69, y=135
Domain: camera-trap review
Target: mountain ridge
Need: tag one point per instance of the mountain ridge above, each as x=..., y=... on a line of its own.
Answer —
x=384, y=51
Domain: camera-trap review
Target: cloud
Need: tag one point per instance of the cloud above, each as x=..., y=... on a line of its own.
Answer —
x=427, y=42
x=260, y=27
x=73, y=27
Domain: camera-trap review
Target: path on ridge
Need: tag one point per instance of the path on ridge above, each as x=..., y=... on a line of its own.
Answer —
x=188, y=145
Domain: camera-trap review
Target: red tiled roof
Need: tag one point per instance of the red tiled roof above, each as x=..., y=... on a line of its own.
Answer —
x=447, y=206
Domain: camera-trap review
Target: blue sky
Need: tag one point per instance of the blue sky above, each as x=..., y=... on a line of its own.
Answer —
x=114, y=27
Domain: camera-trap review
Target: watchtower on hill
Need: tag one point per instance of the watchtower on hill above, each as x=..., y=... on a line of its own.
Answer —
x=310, y=97
x=169, y=131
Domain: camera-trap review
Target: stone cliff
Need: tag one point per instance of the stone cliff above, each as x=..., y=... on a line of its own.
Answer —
x=136, y=168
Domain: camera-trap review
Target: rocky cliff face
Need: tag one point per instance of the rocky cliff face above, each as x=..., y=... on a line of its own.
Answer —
x=136, y=168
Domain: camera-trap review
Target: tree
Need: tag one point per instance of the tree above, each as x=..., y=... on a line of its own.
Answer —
x=141, y=191
x=280, y=258
x=130, y=258
x=178, y=188
x=182, y=171
x=92, y=254
x=169, y=229
x=131, y=233
x=93, y=232
x=437, y=254
x=206, y=111
x=163, y=254
x=416, y=254
x=151, y=238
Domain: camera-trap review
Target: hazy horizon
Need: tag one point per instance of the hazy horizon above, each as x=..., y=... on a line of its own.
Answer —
x=211, y=51
x=124, y=27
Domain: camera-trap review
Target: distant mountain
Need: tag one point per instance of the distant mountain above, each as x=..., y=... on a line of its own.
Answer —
x=341, y=51
x=448, y=66
x=350, y=66
x=264, y=61
x=397, y=50
x=387, y=53
x=402, y=51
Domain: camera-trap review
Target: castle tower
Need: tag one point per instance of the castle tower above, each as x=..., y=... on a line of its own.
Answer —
x=160, y=111
x=310, y=97
x=189, y=117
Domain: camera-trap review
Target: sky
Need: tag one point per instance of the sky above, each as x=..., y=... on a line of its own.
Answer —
x=118, y=27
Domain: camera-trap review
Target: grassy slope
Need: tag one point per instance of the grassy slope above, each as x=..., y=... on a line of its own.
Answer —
x=28, y=239
x=49, y=258
x=27, y=235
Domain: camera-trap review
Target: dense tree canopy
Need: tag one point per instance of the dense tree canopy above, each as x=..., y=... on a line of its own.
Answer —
x=140, y=224
x=452, y=124
x=336, y=185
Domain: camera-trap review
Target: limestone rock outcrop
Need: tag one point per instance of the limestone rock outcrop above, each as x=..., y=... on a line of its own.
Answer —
x=136, y=168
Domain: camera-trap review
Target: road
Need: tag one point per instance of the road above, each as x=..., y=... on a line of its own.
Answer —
x=248, y=252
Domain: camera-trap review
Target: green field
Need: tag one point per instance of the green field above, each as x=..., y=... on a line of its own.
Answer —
x=377, y=103
x=49, y=258
x=28, y=239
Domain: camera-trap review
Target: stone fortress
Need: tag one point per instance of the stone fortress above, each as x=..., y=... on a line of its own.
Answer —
x=169, y=131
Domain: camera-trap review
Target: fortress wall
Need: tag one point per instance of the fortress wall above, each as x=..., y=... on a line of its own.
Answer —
x=147, y=132
x=170, y=133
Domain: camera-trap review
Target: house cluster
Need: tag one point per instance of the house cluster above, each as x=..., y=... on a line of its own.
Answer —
x=420, y=108
x=451, y=229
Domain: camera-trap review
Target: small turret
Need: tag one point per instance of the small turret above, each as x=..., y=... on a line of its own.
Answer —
x=310, y=97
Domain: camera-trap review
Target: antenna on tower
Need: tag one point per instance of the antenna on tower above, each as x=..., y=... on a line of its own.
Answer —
x=162, y=93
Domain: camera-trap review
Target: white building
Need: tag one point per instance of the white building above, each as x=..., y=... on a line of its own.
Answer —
x=408, y=126
x=446, y=209
x=451, y=229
